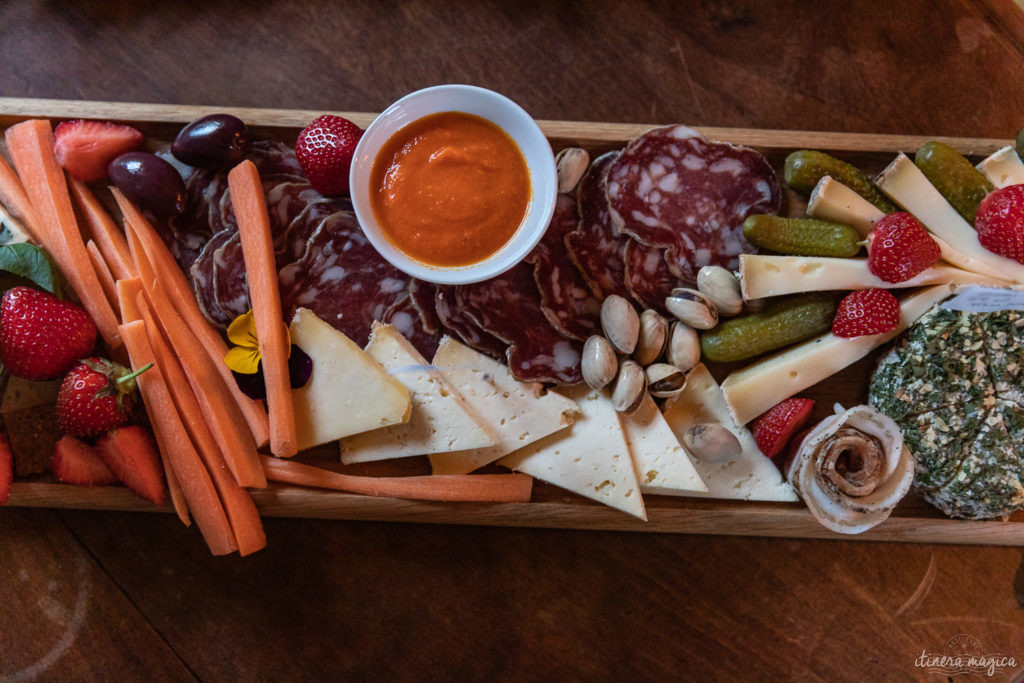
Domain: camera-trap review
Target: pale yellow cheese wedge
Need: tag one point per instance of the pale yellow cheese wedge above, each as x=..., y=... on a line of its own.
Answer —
x=1003, y=168
x=832, y=201
x=662, y=464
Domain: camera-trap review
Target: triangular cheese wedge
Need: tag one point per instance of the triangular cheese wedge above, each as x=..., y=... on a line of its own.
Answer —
x=662, y=465
x=751, y=476
x=441, y=420
x=520, y=413
x=590, y=457
x=348, y=392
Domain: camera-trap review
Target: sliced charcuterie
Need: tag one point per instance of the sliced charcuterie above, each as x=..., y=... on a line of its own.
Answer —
x=230, y=287
x=291, y=244
x=405, y=317
x=422, y=295
x=454, y=319
x=648, y=277
x=203, y=280
x=674, y=189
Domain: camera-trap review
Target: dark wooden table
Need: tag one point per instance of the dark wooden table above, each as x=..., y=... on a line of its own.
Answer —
x=136, y=596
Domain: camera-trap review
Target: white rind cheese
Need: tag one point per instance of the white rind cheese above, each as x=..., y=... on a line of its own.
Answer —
x=766, y=275
x=906, y=185
x=347, y=393
x=520, y=413
x=751, y=476
x=1003, y=168
x=590, y=457
x=662, y=465
x=832, y=201
x=753, y=390
x=441, y=420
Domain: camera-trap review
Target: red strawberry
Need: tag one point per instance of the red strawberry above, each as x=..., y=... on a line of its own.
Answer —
x=869, y=311
x=899, y=248
x=84, y=148
x=324, y=149
x=6, y=468
x=42, y=336
x=1000, y=222
x=773, y=430
x=76, y=462
x=130, y=454
x=95, y=396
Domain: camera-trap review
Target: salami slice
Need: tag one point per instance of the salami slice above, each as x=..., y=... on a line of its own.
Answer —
x=274, y=158
x=454, y=319
x=292, y=243
x=648, y=277
x=509, y=307
x=285, y=200
x=406, y=319
x=342, y=279
x=230, y=285
x=672, y=188
x=202, y=274
x=422, y=295
x=565, y=298
x=596, y=249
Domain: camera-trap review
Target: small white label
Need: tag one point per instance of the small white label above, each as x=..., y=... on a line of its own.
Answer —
x=977, y=299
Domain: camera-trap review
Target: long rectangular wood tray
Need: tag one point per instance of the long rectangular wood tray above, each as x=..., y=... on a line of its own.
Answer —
x=913, y=520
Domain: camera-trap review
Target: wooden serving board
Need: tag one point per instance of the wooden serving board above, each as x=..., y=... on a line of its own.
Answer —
x=912, y=521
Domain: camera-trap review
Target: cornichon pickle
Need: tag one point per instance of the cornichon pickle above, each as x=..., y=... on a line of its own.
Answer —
x=804, y=168
x=802, y=236
x=781, y=324
x=954, y=177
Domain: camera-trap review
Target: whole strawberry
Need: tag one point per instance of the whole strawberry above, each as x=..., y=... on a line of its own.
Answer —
x=42, y=336
x=867, y=312
x=1000, y=222
x=773, y=430
x=95, y=396
x=899, y=248
x=325, y=148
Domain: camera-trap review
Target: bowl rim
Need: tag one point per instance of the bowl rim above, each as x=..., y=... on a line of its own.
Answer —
x=533, y=145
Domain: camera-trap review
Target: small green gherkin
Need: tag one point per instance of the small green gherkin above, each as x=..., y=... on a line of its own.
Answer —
x=802, y=236
x=954, y=177
x=785, y=322
x=805, y=167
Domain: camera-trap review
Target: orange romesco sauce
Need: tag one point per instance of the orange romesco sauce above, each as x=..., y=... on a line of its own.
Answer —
x=449, y=189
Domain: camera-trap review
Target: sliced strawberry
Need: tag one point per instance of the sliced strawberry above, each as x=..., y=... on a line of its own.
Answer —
x=76, y=462
x=899, y=248
x=84, y=148
x=6, y=469
x=131, y=454
x=866, y=312
x=1000, y=222
x=773, y=430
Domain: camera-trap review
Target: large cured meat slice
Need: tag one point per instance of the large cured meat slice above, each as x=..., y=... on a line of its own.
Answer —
x=565, y=298
x=203, y=273
x=405, y=318
x=648, y=277
x=509, y=307
x=456, y=320
x=672, y=188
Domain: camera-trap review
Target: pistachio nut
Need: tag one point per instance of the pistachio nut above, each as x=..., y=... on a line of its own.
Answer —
x=664, y=380
x=712, y=443
x=722, y=288
x=692, y=307
x=570, y=165
x=683, y=347
x=620, y=323
x=630, y=386
x=599, y=364
x=653, y=336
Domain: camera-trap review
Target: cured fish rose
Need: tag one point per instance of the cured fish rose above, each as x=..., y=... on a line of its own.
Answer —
x=852, y=469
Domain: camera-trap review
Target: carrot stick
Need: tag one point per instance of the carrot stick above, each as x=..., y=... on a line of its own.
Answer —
x=104, y=231
x=261, y=271
x=174, y=442
x=14, y=199
x=127, y=294
x=30, y=144
x=184, y=302
x=220, y=413
x=99, y=264
x=241, y=511
x=481, y=488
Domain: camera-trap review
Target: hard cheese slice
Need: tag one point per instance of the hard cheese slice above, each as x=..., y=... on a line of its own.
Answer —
x=751, y=476
x=832, y=201
x=441, y=420
x=520, y=413
x=348, y=392
x=590, y=457
x=662, y=465
x=1003, y=168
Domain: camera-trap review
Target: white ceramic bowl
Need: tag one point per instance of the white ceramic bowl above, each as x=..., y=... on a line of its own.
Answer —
x=486, y=104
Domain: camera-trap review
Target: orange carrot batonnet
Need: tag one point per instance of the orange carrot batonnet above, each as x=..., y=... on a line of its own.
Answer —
x=261, y=273
x=242, y=513
x=105, y=233
x=106, y=279
x=128, y=291
x=30, y=144
x=480, y=488
x=14, y=199
x=178, y=288
x=174, y=442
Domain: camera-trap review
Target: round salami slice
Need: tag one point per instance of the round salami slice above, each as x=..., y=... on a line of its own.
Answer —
x=565, y=298
x=406, y=319
x=291, y=244
x=509, y=307
x=422, y=295
x=202, y=274
x=596, y=249
x=230, y=285
x=342, y=279
x=672, y=188
x=648, y=277
x=274, y=158
x=455, y=320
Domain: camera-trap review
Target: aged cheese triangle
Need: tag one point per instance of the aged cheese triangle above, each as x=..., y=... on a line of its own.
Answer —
x=751, y=476
x=441, y=419
x=590, y=457
x=348, y=392
x=662, y=466
x=519, y=412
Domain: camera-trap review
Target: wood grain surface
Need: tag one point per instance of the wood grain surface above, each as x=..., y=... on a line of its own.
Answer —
x=361, y=600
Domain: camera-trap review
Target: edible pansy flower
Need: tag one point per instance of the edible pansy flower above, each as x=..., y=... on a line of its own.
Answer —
x=244, y=359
